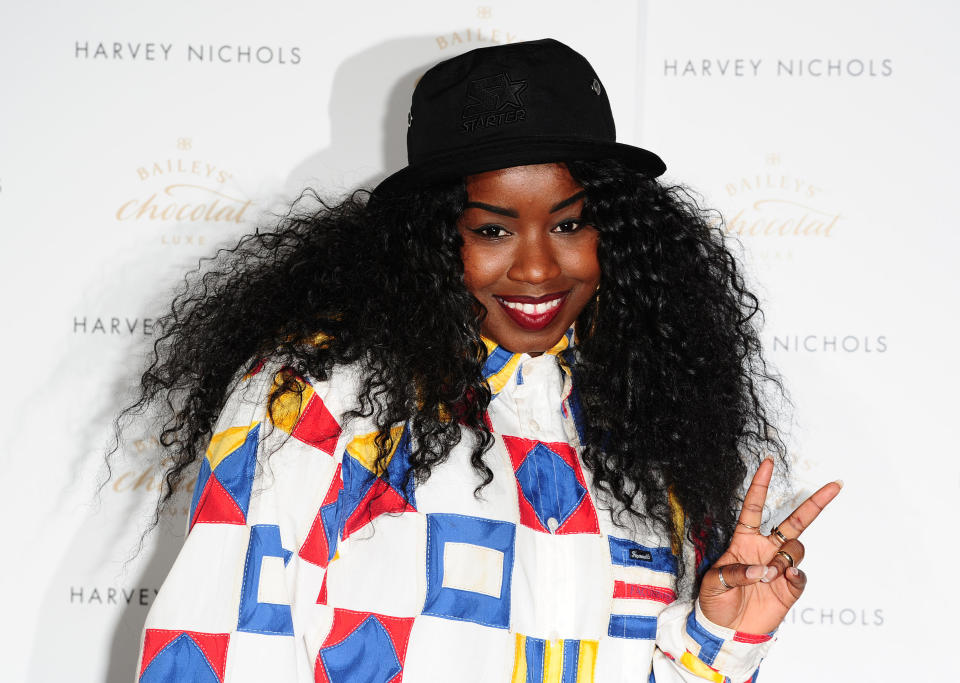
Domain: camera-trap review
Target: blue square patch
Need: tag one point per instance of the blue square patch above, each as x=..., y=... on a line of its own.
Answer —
x=469, y=569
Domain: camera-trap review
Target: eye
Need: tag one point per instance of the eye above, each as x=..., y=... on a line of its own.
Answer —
x=490, y=231
x=568, y=226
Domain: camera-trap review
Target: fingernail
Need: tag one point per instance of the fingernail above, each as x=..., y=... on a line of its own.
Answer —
x=793, y=571
x=769, y=575
x=755, y=571
x=839, y=482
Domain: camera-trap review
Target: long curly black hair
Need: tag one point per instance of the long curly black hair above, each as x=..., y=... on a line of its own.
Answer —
x=668, y=366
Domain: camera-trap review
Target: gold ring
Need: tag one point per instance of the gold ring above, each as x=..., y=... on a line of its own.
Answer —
x=788, y=556
x=722, y=582
x=776, y=532
x=749, y=526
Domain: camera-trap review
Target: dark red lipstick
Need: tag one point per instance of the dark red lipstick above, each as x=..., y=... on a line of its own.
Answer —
x=532, y=312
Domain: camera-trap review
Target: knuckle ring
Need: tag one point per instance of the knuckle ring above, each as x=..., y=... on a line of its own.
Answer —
x=776, y=532
x=788, y=557
x=722, y=580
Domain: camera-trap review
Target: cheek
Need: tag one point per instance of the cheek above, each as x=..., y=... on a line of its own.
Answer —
x=583, y=263
x=479, y=269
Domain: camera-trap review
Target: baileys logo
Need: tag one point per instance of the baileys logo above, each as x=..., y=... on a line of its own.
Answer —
x=774, y=208
x=143, y=474
x=184, y=189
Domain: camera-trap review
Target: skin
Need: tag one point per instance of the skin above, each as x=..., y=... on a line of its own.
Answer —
x=542, y=247
x=763, y=584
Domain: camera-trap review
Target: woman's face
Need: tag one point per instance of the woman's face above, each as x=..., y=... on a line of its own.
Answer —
x=527, y=256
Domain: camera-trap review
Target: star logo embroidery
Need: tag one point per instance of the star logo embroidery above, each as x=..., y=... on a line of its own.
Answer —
x=491, y=94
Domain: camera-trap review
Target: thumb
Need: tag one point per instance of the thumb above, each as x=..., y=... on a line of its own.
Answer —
x=721, y=579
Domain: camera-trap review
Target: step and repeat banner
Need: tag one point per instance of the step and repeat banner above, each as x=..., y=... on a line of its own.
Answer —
x=137, y=138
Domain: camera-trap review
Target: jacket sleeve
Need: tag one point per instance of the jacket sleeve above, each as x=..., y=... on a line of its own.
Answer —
x=691, y=648
x=251, y=572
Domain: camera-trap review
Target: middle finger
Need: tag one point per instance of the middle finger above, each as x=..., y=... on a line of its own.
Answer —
x=803, y=516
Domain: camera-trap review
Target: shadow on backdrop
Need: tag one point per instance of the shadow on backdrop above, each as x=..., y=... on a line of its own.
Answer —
x=369, y=102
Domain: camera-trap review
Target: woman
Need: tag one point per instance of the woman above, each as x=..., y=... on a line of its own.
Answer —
x=490, y=424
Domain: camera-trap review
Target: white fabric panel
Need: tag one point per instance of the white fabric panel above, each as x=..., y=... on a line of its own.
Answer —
x=472, y=568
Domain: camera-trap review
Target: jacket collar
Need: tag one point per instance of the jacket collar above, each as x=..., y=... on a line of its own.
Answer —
x=502, y=364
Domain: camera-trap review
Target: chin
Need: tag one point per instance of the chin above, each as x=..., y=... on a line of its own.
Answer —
x=519, y=340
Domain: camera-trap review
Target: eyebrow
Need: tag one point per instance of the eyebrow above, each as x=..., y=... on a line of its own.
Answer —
x=513, y=214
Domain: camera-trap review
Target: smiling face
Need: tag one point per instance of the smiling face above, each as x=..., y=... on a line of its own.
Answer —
x=527, y=256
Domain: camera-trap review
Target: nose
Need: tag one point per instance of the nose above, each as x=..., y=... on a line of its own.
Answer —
x=534, y=261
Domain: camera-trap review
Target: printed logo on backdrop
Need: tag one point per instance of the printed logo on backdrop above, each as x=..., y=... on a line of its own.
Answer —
x=836, y=344
x=135, y=483
x=116, y=326
x=120, y=596
x=189, y=53
x=774, y=209
x=187, y=198
x=780, y=67
x=839, y=616
x=144, y=475
x=779, y=213
x=469, y=37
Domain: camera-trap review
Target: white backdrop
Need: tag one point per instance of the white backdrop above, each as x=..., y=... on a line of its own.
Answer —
x=136, y=137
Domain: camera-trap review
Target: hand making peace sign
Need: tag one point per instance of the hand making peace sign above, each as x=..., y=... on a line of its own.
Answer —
x=755, y=582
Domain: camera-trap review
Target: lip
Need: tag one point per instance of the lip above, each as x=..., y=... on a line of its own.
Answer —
x=532, y=320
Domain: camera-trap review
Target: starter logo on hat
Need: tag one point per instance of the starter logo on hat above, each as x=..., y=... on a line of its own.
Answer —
x=492, y=102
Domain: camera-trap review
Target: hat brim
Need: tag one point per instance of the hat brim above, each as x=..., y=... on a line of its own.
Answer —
x=514, y=152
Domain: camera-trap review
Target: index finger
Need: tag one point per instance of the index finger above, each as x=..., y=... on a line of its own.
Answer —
x=803, y=516
x=751, y=514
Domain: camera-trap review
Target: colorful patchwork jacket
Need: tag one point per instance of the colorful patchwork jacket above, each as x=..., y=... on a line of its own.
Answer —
x=303, y=565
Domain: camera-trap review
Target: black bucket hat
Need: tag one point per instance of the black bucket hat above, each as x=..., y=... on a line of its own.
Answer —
x=509, y=105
